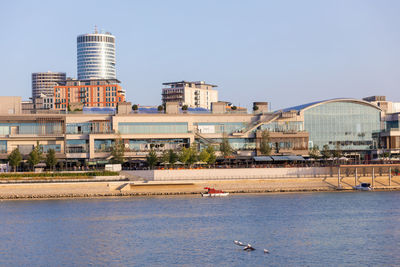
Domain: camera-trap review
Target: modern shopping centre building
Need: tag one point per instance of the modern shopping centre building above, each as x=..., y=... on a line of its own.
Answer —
x=357, y=127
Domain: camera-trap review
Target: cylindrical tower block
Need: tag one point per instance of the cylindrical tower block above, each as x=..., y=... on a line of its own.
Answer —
x=96, y=56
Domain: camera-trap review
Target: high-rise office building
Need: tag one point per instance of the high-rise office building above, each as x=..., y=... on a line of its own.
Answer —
x=44, y=82
x=96, y=56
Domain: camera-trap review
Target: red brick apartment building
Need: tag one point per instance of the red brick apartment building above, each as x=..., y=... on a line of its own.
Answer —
x=91, y=93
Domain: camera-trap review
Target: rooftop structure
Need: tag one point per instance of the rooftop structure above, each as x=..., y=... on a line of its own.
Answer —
x=193, y=94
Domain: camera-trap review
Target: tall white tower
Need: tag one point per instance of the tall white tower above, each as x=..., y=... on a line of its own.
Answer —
x=96, y=56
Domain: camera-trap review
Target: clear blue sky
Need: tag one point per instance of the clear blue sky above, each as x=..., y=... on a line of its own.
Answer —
x=284, y=52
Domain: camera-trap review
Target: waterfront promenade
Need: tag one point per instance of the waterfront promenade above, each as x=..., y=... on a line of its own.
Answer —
x=139, y=188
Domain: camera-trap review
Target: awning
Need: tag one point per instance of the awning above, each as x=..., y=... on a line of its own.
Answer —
x=296, y=158
x=287, y=158
x=262, y=158
x=280, y=158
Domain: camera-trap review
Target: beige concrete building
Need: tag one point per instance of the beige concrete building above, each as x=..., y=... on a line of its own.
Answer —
x=193, y=94
x=10, y=105
x=90, y=137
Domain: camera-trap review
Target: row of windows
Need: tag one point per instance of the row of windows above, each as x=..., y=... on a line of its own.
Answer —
x=95, y=70
x=97, y=48
x=87, y=50
x=31, y=128
x=96, y=38
x=220, y=127
x=28, y=148
x=152, y=127
x=88, y=128
x=102, y=65
x=87, y=56
x=83, y=89
x=83, y=45
x=97, y=53
x=291, y=126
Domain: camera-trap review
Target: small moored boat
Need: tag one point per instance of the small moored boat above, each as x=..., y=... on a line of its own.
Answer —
x=363, y=187
x=211, y=192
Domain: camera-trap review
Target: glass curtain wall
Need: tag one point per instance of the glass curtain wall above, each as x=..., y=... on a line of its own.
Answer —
x=3, y=146
x=220, y=127
x=152, y=127
x=34, y=128
x=349, y=125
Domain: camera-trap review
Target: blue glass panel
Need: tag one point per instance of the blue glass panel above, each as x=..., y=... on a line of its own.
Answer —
x=3, y=146
x=152, y=127
x=225, y=127
x=350, y=125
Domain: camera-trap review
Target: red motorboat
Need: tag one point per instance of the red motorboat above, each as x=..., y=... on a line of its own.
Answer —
x=211, y=192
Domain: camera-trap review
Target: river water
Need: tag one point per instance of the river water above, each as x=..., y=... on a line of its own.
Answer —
x=299, y=229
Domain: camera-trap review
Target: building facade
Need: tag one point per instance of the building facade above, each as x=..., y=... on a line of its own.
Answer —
x=193, y=94
x=44, y=82
x=96, y=56
x=89, y=93
x=345, y=124
x=90, y=137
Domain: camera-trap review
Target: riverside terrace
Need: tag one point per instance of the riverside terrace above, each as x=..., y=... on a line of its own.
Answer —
x=82, y=137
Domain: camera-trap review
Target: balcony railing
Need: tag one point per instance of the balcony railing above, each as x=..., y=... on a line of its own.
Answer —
x=77, y=149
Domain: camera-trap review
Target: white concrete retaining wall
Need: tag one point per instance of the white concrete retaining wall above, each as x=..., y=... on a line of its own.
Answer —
x=219, y=174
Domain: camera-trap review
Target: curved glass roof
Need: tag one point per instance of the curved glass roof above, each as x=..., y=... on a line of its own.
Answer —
x=303, y=106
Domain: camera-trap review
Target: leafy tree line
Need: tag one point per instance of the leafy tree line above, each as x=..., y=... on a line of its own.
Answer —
x=326, y=152
x=34, y=158
x=187, y=156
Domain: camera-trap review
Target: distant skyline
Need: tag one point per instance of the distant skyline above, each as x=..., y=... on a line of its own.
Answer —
x=284, y=52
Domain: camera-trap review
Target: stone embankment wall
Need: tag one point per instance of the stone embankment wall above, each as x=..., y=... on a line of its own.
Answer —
x=223, y=174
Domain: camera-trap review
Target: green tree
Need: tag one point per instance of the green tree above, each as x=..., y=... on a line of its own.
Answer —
x=51, y=159
x=15, y=158
x=255, y=108
x=314, y=152
x=185, y=107
x=212, y=157
x=337, y=152
x=325, y=152
x=160, y=108
x=193, y=155
x=165, y=157
x=184, y=155
x=188, y=155
x=118, y=151
x=225, y=147
x=135, y=107
x=204, y=155
x=35, y=156
x=172, y=157
x=61, y=165
x=152, y=159
x=265, y=148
